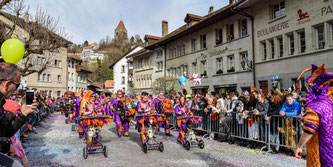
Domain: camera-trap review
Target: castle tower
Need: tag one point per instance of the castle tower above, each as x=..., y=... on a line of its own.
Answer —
x=120, y=33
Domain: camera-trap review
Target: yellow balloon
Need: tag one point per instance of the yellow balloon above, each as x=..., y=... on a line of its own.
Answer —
x=12, y=51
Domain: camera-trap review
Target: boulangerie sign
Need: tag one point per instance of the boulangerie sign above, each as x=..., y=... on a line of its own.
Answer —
x=272, y=29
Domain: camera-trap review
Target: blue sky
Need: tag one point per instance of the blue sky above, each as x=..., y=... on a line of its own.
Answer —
x=94, y=19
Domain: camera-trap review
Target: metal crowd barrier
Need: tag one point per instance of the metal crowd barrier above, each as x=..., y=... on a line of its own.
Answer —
x=276, y=132
x=273, y=134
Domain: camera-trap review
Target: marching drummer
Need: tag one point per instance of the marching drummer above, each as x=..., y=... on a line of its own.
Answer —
x=182, y=109
x=144, y=106
x=168, y=111
x=121, y=124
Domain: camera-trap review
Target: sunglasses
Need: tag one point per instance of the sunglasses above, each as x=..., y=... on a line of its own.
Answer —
x=93, y=96
x=16, y=85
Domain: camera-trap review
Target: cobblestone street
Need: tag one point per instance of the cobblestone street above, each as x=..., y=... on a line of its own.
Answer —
x=56, y=145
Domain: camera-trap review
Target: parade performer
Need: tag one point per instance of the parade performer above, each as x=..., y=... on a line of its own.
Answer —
x=92, y=108
x=76, y=113
x=131, y=106
x=100, y=109
x=67, y=101
x=121, y=113
x=182, y=110
x=318, y=119
x=73, y=104
x=89, y=108
x=144, y=106
x=64, y=98
x=168, y=110
x=80, y=102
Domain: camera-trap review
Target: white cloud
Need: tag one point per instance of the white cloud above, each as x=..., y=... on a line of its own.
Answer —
x=92, y=20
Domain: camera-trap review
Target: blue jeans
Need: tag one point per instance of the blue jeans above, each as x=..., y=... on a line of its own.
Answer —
x=34, y=117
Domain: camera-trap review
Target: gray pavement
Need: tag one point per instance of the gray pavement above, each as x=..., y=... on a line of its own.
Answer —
x=56, y=145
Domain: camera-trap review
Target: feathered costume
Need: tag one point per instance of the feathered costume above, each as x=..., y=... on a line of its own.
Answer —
x=318, y=119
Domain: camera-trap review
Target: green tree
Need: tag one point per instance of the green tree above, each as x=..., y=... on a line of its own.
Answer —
x=132, y=40
x=102, y=72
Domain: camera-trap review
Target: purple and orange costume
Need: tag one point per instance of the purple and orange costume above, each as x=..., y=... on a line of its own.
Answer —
x=122, y=124
x=168, y=110
x=318, y=119
x=181, y=123
x=144, y=107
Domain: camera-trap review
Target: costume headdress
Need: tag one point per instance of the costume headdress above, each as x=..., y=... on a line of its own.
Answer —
x=88, y=94
x=320, y=82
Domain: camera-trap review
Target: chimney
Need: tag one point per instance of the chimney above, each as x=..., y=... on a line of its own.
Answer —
x=211, y=9
x=26, y=17
x=164, y=28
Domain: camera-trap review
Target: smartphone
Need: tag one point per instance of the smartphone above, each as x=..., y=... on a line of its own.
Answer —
x=29, y=97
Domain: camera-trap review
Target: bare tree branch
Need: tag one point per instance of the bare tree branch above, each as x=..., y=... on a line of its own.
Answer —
x=44, y=37
x=3, y=3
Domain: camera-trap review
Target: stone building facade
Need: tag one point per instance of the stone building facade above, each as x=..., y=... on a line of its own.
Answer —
x=216, y=47
x=244, y=45
x=289, y=37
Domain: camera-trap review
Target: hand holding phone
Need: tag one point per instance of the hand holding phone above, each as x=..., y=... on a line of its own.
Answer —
x=25, y=109
x=29, y=97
